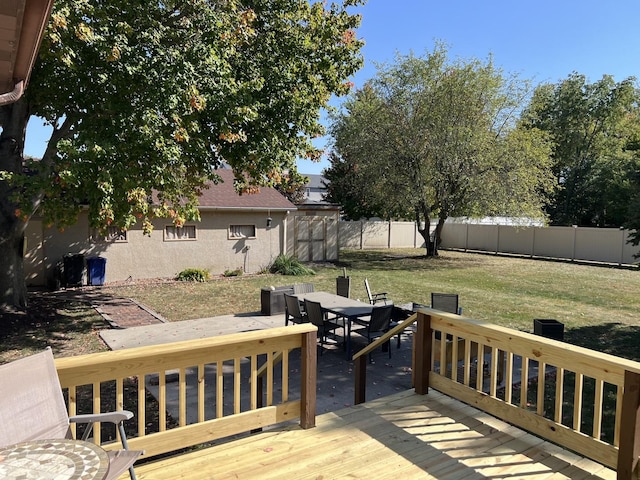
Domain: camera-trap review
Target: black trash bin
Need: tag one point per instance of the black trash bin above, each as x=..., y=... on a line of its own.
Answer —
x=96, y=267
x=74, y=267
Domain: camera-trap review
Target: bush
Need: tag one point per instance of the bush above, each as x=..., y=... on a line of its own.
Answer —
x=193, y=275
x=233, y=273
x=289, y=265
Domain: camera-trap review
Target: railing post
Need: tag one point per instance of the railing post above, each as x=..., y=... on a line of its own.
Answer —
x=308, y=360
x=361, y=379
x=422, y=353
x=629, y=449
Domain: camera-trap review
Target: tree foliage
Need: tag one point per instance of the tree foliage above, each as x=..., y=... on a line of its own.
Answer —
x=595, y=129
x=431, y=138
x=154, y=96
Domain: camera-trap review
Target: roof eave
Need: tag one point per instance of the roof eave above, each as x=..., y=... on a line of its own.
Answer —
x=32, y=17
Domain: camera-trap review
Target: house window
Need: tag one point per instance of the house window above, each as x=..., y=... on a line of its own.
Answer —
x=186, y=232
x=242, y=231
x=110, y=234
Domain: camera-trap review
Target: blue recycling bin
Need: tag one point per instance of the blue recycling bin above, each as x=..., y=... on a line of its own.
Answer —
x=96, y=267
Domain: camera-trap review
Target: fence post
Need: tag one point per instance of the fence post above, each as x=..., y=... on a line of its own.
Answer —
x=422, y=353
x=308, y=380
x=629, y=449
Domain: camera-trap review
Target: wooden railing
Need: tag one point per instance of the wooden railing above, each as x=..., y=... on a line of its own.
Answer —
x=583, y=400
x=183, y=375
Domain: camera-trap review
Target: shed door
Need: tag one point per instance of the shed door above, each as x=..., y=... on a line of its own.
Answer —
x=310, y=239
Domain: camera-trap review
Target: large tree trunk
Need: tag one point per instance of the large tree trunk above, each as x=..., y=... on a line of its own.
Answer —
x=423, y=222
x=13, y=290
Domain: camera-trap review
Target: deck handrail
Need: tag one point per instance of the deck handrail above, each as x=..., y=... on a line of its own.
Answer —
x=550, y=388
x=196, y=365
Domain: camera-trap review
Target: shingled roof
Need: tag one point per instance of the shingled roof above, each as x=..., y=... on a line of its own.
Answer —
x=224, y=197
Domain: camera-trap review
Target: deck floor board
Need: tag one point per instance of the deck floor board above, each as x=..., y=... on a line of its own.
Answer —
x=400, y=436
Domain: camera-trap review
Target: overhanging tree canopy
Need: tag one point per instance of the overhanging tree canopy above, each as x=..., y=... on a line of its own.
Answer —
x=154, y=96
x=430, y=138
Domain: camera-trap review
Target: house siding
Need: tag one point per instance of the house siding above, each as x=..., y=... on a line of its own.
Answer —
x=152, y=257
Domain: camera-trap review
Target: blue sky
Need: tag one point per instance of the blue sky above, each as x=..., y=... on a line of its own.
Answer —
x=543, y=41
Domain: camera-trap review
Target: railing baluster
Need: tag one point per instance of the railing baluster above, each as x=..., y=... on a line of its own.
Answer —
x=524, y=382
x=73, y=407
x=454, y=358
x=467, y=362
x=97, y=433
x=141, y=406
x=253, y=369
x=541, y=387
x=270, y=378
x=493, y=377
x=480, y=367
x=508, y=379
x=201, y=388
x=597, y=408
x=162, y=400
x=557, y=417
x=618, y=423
x=577, y=401
x=219, y=389
x=182, y=395
x=285, y=376
x=236, y=385
x=119, y=400
x=443, y=354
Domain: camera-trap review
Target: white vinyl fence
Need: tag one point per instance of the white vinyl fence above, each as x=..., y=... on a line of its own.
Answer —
x=605, y=245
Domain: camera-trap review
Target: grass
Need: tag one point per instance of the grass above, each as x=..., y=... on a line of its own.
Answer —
x=597, y=304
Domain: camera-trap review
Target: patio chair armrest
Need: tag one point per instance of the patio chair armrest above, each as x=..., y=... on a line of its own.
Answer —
x=382, y=294
x=111, y=417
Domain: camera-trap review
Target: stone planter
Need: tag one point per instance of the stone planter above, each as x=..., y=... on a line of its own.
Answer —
x=272, y=299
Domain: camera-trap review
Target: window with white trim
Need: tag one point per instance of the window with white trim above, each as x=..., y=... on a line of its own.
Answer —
x=242, y=231
x=173, y=233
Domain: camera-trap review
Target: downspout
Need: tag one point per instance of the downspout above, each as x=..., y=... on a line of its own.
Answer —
x=284, y=234
x=13, y=96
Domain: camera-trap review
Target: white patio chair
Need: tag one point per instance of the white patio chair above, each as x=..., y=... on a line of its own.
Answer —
x=32, y=408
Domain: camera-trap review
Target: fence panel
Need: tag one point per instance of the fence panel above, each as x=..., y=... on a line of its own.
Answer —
x=608, y=245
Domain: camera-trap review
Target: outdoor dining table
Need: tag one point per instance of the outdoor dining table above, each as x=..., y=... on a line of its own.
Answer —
x=342, y=306
x=58, y=459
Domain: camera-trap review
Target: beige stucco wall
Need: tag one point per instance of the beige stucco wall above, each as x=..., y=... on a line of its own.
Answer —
x=154, y=257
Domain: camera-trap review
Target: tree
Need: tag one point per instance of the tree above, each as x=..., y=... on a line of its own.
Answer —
x=154, y=96
x=594, y=127
x=429, y=138
x=292, y=185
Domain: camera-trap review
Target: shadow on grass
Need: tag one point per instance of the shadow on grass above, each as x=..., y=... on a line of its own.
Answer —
x=68, y=326
x=616, y=339
x=385, y=260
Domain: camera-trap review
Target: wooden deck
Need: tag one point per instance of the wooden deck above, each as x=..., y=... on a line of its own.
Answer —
x=401, y=436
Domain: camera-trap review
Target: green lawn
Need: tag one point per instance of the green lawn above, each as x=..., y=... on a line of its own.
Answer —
x=597, y=304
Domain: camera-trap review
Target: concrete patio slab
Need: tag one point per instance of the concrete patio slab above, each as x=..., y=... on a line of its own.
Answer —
x=146, y=335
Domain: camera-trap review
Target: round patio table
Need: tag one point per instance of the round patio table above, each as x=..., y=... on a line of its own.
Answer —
x=53, y=460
